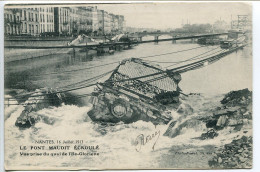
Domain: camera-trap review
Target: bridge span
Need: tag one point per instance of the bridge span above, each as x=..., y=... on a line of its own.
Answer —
x=139, y=41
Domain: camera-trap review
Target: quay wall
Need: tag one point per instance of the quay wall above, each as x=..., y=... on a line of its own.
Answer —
x=11, y=54
x=14, y=54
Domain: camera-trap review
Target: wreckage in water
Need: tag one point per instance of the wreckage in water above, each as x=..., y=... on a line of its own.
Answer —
x=130, y=94
x=41, y=99
x=133, y=92
x=136, y=90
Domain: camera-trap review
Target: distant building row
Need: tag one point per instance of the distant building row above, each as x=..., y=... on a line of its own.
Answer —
x=61, y=21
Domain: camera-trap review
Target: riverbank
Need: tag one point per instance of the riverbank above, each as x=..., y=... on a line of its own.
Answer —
x=227, y=124
x=15, y=54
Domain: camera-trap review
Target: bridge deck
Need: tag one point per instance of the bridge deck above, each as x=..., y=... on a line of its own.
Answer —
x=116, y=43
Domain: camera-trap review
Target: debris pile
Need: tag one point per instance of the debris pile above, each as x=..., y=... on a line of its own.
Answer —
x=236, y=111
x=237, y=154
x=209, y=135
x=41, y=99
x=136, y=90
x=240, y=97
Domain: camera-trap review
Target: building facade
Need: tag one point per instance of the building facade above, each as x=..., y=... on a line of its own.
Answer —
x=30, y=21
x=86, y=20
x=74, y=20
x=107, y=23
x=114, y=24
x=48, y=20
x=121, y=23
x=100, y=22
x=62, y=20
x=95, y=20
x=12, y=21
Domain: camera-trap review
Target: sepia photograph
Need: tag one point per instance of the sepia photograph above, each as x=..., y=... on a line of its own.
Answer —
x=100, y=86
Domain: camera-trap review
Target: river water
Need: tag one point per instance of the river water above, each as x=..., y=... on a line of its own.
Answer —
x=115, y=142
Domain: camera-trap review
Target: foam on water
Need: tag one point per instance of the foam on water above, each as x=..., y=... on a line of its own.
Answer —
x=117, y=142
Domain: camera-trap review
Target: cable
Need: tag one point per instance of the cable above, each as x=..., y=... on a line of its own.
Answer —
x=195, y=57
x=197, y=64
x=55, y=73
x=172, y=52
x=123, y=80
x=198, y=55
x=80, y=96
x=165, y=76
x=192, y=67
x=177, y=62
x=90, y=79
x=135, y=78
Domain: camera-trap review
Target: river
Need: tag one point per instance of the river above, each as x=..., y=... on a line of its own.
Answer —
x=115, y=142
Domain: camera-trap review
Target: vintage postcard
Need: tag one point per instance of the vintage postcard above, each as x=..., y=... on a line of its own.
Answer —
x=128, y=86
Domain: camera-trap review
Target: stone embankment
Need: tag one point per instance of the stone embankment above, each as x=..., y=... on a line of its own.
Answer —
x=235, y=112
x=230, y=120
x=14, y=54
x=237, y=154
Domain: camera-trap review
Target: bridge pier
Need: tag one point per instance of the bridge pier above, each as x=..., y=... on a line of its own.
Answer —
x=73, y=53
x=192, y=40
x=129, y=45
x=232, y=35
x=174, y=40
x=86, y=49
x=156, y=38
x=140, y=38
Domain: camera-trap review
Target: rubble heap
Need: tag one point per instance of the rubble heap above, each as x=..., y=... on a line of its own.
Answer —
x=236, y=111
x=41, y=99
x=240, y=97
x=237, y=154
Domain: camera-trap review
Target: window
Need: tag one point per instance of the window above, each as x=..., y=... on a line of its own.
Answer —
x=25, y=27
x=25, y=15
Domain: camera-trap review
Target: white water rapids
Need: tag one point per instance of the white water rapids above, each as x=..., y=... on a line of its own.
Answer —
x=116, y=142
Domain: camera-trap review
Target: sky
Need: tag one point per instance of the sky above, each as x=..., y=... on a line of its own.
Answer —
x=173, y=15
